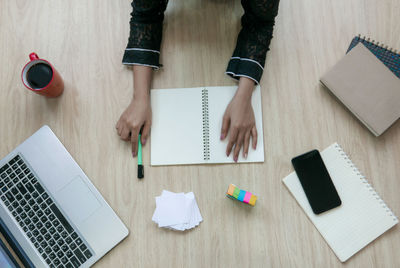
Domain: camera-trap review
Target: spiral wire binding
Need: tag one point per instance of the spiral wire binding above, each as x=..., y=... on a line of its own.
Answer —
x=362, y=177
x=364, y=39
x=206, y=125
x=388, y=56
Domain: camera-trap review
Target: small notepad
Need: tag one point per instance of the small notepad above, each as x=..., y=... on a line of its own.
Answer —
x=367, y=88
x=187, y=125
x=362, y=217
x=177, y=211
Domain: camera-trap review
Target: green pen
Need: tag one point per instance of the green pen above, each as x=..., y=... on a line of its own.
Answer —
x=140, y=168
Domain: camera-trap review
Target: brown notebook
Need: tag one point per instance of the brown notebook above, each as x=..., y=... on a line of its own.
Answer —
x=367, y=88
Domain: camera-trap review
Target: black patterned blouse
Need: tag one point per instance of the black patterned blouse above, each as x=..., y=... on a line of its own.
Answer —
x=252, y=44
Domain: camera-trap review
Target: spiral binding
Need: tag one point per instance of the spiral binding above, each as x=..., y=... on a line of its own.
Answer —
x=362, y=177
x=206, y=125
x=364, y=39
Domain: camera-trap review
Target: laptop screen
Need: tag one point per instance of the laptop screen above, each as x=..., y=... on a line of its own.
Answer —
x=5, y=257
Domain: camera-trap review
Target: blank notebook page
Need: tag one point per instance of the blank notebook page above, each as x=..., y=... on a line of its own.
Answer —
x=361, y=218
x=218, y=99
x=177, y=129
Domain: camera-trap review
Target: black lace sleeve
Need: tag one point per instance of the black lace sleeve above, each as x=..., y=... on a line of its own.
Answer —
x=254, y=38
x=145, y=33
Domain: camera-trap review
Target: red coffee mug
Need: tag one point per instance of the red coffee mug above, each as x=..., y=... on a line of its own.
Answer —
x=52, y=89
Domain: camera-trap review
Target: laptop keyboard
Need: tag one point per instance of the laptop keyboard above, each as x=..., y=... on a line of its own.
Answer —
x=36, y=213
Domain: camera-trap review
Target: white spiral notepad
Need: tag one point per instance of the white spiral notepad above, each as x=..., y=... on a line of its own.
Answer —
x=362, y=217
x=187, y=125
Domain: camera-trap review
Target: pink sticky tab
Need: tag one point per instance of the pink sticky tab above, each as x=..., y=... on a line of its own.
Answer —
x=246, y=198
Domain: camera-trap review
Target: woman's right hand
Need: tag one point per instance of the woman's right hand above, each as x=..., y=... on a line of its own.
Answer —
x=138, y=113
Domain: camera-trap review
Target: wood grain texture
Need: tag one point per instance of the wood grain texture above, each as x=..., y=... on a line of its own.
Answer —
x=85, y=41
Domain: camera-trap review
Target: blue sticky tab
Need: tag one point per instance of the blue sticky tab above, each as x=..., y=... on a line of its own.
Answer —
x=241, y=195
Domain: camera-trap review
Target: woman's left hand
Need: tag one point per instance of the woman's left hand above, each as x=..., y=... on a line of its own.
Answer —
x=239, y=120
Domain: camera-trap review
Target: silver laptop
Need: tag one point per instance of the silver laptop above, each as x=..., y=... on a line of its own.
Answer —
x=51, y=214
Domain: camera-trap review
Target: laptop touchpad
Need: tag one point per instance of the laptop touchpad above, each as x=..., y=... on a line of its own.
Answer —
x=77, y=200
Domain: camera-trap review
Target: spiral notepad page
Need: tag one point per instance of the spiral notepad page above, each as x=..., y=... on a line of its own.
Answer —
x=187, y=123
x=362, y=217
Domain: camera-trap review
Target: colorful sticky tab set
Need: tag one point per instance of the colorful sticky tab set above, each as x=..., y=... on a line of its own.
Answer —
x=241, y=195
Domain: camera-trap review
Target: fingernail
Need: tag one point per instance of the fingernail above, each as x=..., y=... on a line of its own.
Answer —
x=222, y=136
x=235, y=159
x=133, y=154
x=144, y=141
x=245, y=156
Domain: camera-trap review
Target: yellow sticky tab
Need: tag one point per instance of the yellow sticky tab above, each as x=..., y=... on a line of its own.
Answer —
x=231, y=189
x=253, y=200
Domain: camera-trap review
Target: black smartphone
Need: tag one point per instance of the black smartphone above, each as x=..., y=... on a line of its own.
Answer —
x=317, y=184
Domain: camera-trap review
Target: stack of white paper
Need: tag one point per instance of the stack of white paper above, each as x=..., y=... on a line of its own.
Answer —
x=177, y=211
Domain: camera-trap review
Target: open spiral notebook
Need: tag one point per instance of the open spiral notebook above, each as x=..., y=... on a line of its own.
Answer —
x=362, y=217
x=187, y=125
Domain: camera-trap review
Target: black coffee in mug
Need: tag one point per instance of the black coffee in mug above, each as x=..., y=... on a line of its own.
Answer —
x=39, y=75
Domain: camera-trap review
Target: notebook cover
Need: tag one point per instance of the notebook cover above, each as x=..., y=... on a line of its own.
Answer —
x=367, y=88
x=361, y=218
x=387, y=57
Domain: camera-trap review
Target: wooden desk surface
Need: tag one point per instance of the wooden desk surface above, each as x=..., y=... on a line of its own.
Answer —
x=85, y=40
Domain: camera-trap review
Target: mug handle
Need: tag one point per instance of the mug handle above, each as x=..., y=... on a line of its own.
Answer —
x=33, y=56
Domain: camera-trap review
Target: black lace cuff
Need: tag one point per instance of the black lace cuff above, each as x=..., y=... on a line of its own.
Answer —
x=238, y=67
x=141, y=56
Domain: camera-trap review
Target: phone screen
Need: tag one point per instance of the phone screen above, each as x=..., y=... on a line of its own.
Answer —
x=316, y=182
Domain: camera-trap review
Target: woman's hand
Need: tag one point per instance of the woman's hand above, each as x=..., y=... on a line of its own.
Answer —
x=137, y=115
x=239, y=120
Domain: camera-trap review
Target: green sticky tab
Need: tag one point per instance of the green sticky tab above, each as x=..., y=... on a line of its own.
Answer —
x=139, y=155
x=236, y=193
